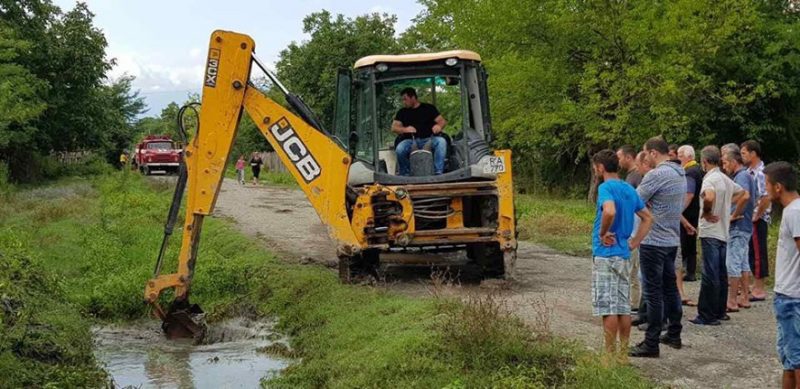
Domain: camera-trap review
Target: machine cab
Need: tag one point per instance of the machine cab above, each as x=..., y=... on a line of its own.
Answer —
x=368, y=98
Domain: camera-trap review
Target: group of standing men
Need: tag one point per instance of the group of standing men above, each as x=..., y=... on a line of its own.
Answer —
x=647, y=227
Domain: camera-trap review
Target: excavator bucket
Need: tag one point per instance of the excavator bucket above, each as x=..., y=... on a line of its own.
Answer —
x=185, y=321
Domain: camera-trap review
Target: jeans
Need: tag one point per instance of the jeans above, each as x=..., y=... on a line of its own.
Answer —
x=787, y=313
x=438, y=147
x=660, y=292
x=714, y=286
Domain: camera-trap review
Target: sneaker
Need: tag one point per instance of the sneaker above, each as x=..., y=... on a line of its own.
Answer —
x=699, y=321
x=725, y=318
x=642, y=351
x=638, y=321
x=671, y=342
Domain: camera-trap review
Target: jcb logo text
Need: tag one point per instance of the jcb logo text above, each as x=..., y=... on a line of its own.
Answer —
x=296, y=150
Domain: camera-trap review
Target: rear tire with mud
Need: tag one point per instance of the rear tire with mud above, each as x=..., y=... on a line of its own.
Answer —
x=358, y=267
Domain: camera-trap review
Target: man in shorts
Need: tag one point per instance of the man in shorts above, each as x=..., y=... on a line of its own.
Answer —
x=617, y=203
x=736, y=258
x=782, y=187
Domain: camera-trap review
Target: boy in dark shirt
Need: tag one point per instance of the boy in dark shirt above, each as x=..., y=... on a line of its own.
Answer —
x=417, y=123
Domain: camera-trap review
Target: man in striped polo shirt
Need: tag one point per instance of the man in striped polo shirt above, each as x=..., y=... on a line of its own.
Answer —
x=663, y=189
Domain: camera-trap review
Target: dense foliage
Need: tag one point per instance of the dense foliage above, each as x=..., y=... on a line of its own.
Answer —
x=567, y=77
x=571, y=77
x=54, y=93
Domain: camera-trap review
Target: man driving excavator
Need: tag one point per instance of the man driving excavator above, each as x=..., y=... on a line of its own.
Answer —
x=368, y=212
x=416, y=124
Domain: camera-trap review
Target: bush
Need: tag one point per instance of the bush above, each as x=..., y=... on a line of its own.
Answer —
x=6, y=188
x=93, y=165
x=43, y=339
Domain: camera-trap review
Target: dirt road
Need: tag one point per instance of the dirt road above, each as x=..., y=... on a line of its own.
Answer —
x=739, y=354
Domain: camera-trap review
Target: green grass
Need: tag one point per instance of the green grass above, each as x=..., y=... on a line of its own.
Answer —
x=90, y=246
x=562, y=224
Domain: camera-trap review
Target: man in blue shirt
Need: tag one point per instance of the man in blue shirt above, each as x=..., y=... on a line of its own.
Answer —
x=741, y=230
x=617, y=203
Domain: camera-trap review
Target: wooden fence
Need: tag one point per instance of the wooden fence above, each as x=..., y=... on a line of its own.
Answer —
x=272, y=163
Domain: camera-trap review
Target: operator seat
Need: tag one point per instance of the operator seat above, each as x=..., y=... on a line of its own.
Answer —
x=448, y=153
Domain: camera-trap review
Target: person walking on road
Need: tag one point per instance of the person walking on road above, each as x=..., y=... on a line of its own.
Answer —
x=240, y=169
x=617, y=203
x=255, y=166
x=781, y=185
x=717, y=193
x=663, y=189
x=759, y=260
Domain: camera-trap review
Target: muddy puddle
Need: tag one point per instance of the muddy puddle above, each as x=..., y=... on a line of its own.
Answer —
x=137, y=355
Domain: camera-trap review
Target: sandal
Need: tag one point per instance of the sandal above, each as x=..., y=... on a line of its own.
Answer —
x=754, y=298
x=688, y=303
x=731, y=310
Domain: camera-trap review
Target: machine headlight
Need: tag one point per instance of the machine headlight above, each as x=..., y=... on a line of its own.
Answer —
x=382, y=67
x=451, y=61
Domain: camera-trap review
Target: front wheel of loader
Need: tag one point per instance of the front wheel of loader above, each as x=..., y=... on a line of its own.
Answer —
x=491, y=260
x=358, y=267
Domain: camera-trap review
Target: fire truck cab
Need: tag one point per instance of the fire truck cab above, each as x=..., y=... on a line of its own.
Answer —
x=156, y=153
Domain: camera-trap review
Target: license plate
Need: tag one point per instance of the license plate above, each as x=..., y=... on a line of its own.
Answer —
x=495, y=165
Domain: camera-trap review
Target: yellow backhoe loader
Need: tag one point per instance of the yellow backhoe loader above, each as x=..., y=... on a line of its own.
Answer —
x=350, y=173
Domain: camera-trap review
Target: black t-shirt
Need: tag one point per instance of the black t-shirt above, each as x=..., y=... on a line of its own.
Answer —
x=694, y=174
x=423, y=118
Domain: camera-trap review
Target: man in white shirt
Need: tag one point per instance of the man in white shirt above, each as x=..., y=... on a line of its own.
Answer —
x=717, y=194
x=782, y=187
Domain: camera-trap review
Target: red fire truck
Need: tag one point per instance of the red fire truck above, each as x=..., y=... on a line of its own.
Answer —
x=156, y=153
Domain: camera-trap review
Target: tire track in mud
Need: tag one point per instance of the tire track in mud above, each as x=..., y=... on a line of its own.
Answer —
x=550, y=289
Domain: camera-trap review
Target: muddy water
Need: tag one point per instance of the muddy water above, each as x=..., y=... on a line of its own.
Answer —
x=138, y=355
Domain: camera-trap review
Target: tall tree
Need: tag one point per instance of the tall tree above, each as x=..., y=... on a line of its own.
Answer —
x=309, y=68
x=54, y=84
x=571, y=77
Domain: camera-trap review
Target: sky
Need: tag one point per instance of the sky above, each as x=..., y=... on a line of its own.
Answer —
x=163, y=43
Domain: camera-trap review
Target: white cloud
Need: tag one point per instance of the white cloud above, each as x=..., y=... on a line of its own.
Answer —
x=153, y=75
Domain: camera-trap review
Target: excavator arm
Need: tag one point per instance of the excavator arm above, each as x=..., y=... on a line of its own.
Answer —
x=319, y=165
